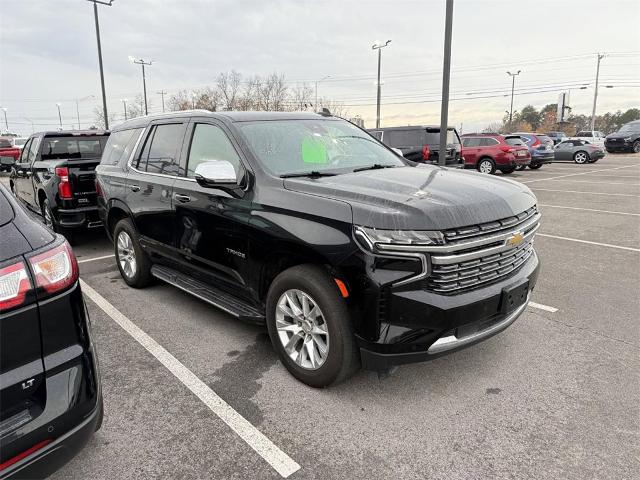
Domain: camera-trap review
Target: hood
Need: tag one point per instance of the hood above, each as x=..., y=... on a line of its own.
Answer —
x=421, y=198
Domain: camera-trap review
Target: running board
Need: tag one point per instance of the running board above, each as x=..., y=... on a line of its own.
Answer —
x=224, y=301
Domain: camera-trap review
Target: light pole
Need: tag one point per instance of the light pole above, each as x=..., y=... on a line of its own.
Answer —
x=59, y=115
x=595, y=93
x=6, y=123
x=513, y=85
x=104, y=95
x=124, y=103
x=162, y=93
x=193, y=101
x=379, y=46
x=144, y=79
x=78, y=100
x=446, y=72
x=317, y=82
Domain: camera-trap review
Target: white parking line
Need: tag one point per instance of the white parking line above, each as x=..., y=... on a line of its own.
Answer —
x=280, y=461
x=598, y=183
x=588, y=193
x=546, y=308
x=575, y=174
x=589, y=209
x=608, y=245
x=85, y=260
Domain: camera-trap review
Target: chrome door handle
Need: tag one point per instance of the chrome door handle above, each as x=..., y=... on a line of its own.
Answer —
x=134, y=188
x=182, y=198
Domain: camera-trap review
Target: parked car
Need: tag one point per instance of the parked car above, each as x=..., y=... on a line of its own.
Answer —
x=540, y=147
x=557, y=137
x=422, y=143
x=55, y=178
x=627, y=139
x=593, y=137
x=8, y=154
x=304, y=222
x=577, y=151
x=490, y=152
x=51, y=401
x=20, y=141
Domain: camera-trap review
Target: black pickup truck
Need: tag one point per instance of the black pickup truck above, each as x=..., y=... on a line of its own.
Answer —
x=55, y=177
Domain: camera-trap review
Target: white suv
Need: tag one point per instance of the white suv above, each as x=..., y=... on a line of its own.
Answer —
x=594, y=137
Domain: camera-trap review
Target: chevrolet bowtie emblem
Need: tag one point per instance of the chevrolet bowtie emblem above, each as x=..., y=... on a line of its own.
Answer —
x=515, y=239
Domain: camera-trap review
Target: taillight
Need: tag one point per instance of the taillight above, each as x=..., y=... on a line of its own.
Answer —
x=14, y=285
x=426, y=152
x=55, y=269
x=506, y=149
x=64, y=186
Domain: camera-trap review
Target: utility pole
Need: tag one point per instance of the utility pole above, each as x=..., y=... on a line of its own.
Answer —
x=513, y=85
x=379, y=46
x=446, y=73
x=59, y=115
x=104, y=95
x=317, y=82
x=124, y=103
x=6, y=123
x=144, y=80
x=595, y=93
x=162, y=93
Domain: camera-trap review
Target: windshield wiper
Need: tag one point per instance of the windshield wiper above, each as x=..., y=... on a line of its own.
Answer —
x=375, y=166
x=312, y=174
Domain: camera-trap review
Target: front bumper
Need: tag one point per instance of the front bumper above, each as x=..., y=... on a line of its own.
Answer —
x=597, y=155
x=83, y=217
x=423, y=325
x=542, y=159
x=619, y=146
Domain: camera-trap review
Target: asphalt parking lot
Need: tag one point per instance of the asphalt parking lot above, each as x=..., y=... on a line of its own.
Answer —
x=557, y=395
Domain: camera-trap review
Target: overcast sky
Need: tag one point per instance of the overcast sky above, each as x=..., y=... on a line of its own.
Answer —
x=48, y=53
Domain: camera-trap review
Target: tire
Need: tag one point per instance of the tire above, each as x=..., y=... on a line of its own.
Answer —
x=100, y=414
x=636, y=146
x=132, y=261
x=486, y=165
x=535, y=166
x=49, y=221
x=341, y=358
x=508, y=170
x=521, y=167
x=581, y=157
x=610, y=151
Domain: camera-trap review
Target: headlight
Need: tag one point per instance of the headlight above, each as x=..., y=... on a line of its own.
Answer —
x=376, y=239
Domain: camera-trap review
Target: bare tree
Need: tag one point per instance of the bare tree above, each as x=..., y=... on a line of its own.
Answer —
x=337, y=109
x=271, y=93
x=228, y=85
x=98, y=116
x=206, y=98
x=180, y=101
x=300, y=98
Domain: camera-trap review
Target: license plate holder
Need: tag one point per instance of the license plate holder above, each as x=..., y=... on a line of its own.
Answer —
x=513, y=297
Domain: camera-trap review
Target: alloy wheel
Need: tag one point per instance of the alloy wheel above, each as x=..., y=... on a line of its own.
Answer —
x=48, y=218
x=581, y=157
x=636, y=147
x=485, y=166
x=302, y=329
x=126, y=254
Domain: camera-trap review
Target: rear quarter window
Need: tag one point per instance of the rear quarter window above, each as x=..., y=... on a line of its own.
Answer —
x=403, y=138
x=119, y=146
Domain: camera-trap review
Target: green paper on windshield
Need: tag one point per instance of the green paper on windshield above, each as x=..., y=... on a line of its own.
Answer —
x=313, y=151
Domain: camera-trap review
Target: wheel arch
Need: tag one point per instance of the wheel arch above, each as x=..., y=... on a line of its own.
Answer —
x=117, y=211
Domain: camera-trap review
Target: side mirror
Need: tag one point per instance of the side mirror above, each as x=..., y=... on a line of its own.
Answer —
x=216, y=173
x=398, y=152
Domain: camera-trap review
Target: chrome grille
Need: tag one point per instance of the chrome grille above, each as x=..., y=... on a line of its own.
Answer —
x=456, y=234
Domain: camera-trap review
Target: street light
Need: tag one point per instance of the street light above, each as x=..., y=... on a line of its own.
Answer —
x=6, y=124
x=193, y=101
x=513, y=84
x=378, y=45
x=78, y=100
x=104, y=95
x=317, y=82
x=124, y=103
x=144, y=79
x=33, y=130
x=59, y=115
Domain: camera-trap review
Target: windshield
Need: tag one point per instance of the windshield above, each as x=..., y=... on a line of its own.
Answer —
x=630, y=128
x=514, y=141
x=286, y=147
x=72, y=147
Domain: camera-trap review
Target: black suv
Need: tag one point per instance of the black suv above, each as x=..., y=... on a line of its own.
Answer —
x=348, y=252
x=50, y=397
x=627, y=139
x=422, y=143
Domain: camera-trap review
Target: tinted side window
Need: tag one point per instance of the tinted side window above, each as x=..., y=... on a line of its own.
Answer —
x=210, y=143
x=584, y=134
x=161, y=150
x=33, y=149
x=471, y=141
x=488, y=142
x=403, y=138
x=119, y=146
x=25, y=151
x=378, y=135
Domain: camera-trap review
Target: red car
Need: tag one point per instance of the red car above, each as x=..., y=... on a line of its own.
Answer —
x=9, y=154
x=489, y=152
